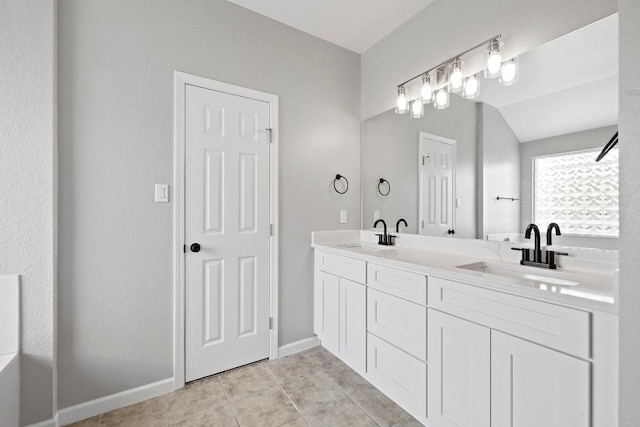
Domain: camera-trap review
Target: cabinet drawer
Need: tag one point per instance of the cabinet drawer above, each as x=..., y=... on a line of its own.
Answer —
x=554, y=326
x=400, y=376
x=349, y=268
x=400, y=283
x=400, y=322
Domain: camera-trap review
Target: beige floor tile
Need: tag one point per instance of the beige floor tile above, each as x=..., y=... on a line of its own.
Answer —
x=266, y=408
x=290, y=368
x=298, y=422
x=220, y=417
x=243, y=382
x=378, y=406
x=195, y=399
x=409, y=422
x=348, y=379
x=342, y=412
x=320, y=356
x=89, y=422
x=311, y=392
x=152, y=412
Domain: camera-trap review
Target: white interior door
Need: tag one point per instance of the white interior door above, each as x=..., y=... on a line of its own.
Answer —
x=227, y=215
x=437, y=185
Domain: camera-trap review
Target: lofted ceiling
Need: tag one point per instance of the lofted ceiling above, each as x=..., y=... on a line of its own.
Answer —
x=354, y=24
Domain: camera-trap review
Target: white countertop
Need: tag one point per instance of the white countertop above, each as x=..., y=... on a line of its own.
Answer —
x=596, y=290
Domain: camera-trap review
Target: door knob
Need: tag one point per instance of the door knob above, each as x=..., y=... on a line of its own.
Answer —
x=451, y=231
x=195, y=247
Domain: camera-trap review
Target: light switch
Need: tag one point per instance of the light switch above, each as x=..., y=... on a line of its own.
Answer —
x=458, y=204
x=376, y=215
x=162, y=193
x=344, y=217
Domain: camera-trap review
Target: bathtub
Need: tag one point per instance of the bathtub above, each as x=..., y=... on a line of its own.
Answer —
x=9, y=390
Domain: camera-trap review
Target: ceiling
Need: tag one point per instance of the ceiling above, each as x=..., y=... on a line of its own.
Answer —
x=567, y=85
x=354, y=24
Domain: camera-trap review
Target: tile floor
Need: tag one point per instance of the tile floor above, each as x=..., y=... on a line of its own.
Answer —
x=309, y=388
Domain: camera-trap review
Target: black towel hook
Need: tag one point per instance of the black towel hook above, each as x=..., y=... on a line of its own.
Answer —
x=382, y=181
x=339, y=177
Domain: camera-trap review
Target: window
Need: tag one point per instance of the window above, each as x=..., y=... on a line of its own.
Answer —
x=577, y=192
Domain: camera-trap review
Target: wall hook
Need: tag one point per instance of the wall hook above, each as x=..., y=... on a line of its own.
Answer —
x=381, y=182
x=338, y=178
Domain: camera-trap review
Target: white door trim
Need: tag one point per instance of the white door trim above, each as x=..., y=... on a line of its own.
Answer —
x=181, y=80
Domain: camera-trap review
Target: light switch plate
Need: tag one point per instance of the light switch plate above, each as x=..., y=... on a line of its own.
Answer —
x=344, y=217
x=162, y=193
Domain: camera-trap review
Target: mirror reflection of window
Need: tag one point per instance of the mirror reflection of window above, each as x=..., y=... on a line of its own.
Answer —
x=577, y=192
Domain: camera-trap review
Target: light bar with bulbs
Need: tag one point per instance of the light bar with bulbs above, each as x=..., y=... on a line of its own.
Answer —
x=436, y=92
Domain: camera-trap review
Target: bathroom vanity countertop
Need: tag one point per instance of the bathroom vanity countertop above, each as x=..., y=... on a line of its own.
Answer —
x=596, y=290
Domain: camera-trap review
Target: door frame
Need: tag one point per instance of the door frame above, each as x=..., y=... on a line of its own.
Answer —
x=454, y=202
x=181, y=80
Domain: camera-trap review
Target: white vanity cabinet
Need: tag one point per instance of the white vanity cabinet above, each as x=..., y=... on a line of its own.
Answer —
x=481, y=376
x=340, y=308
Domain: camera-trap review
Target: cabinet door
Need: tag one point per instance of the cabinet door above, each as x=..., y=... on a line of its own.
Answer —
x=534, y=386
x=326, y=310
x=459, y=354
x=353, y=324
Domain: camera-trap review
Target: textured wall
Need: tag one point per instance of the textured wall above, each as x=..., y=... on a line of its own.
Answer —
x=390, y=150
x=594, y=138
x=116, y=64
x=629, y=208
x=27, y=186
x=428, y=38
x=499, y=168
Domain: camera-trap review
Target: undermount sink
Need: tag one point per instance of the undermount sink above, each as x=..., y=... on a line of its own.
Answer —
x=533, y=275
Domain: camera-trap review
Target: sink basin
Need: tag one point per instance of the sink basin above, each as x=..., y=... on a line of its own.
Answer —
x=533, y=275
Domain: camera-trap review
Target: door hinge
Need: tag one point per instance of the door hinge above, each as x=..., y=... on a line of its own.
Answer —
x=423, y=224
x=184, y=248
x=270, y=229
x=270, y=130
x=422, y=160
x=270, y=323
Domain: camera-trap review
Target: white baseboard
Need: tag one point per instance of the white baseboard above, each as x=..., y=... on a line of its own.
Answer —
x=46, y=423
x=114, y=401
x=298, y=346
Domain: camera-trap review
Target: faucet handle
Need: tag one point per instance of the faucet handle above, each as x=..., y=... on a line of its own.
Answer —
x=525, y=253
x=382, y=239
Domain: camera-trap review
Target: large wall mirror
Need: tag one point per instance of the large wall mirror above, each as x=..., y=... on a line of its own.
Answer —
x=486, y=168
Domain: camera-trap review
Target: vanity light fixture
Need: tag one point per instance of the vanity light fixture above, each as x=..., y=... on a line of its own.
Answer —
x=417, y=109
x=493, y=59
x=509, y=72
x=426, y=91
x=438, y=89
x=442, y=100
x=456, y=79
x=402, y=105
x=471, y=87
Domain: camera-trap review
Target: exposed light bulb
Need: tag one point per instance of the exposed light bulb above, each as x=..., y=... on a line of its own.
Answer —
x=471, y=87
x=426, y=91
x=456, y=79
x=417, y=109
x=493, y=59
x=402, y=105
x=442, y=100
x=509, y=72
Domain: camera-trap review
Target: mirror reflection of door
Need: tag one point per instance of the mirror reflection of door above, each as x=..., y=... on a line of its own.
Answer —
x=437, y=185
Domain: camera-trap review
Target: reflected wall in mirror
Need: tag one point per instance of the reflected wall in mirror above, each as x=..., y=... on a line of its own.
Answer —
x=566, y=101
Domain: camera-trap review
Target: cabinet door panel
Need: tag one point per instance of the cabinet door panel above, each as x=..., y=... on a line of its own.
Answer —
x=459, y=372
x=326, y=310
x=534, y=386
x=353, y=324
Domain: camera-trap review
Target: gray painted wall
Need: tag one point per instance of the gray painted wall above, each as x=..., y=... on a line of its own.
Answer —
x=629, y=207
x=594, y=138
x=390, y=150
x=116, y=63
x=427, y=39
x=499, y=174
x=27, y=188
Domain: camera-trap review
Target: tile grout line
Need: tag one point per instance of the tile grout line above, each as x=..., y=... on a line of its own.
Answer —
x=286, y=394
x=226, y=395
